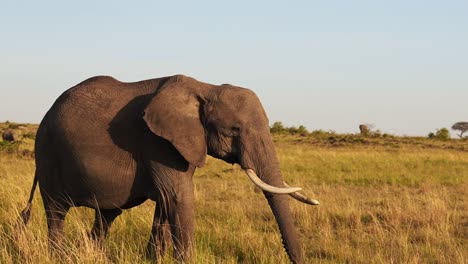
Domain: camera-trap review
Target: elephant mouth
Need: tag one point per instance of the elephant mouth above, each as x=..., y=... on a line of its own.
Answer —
x=232, y=159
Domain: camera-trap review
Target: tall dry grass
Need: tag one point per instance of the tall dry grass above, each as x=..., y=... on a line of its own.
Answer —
x=378, y=205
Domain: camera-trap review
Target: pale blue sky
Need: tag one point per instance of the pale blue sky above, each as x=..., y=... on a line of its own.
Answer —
x=400, y=65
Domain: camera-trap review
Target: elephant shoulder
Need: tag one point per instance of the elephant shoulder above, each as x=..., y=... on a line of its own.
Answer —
x=92, y=89
x=95, y=95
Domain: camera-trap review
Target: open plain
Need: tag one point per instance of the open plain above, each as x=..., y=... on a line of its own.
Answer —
x=383, y=200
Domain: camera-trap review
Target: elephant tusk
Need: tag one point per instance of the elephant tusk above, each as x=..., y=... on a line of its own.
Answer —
x=302, y=198
x=268, y=188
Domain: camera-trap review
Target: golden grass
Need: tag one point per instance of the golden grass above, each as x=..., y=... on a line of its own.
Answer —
x=378, y=205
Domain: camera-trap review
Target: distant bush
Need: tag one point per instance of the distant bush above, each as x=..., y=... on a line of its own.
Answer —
x=14, y=125
x=279, y=128
x=322, y=134
x=9, y=147
x=377, y=133
x=442, y=134
x=301, y=130
x=13, y=148
x=30, y=135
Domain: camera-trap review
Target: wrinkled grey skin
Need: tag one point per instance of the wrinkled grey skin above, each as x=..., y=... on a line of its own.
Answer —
x=111, y=145
x=9, y=135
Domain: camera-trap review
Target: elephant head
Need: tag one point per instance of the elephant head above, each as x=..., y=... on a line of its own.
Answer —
x=228, y=123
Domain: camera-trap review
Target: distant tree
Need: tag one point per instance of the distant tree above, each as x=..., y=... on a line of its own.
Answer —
x=442, y=134
x=462, y=127
x=302, y=130
x=377, y=133
x=30, y=135
x=277, y=127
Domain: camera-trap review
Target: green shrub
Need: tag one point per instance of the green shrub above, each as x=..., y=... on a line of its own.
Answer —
x=30, y=135
x=277, y=128
x=377, y=133
x=9, y=147
x=442, y=134
x=14, y=125
x=321, y=134
x=301, y=130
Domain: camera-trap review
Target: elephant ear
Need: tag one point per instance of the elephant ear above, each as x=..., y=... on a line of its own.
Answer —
x=174, y=114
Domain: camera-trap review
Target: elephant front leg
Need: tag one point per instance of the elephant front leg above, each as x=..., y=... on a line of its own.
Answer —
x=160, y=233
x=102, y=222
x=181, y=220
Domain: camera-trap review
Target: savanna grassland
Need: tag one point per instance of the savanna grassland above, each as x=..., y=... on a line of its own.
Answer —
x=383, y=200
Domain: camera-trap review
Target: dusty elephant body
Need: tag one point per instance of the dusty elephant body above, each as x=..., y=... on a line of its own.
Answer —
x=111, y=145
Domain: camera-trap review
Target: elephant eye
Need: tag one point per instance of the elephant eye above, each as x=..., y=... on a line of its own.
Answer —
x=235, y=131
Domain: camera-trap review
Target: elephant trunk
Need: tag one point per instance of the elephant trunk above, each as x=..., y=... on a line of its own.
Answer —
x=265, y=163
x=280, y=208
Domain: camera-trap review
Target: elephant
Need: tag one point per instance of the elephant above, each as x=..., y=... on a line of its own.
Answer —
x=111, y=145
x=364, y=129
x=9, y=135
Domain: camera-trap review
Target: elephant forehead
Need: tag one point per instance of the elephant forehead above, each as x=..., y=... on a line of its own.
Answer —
x=243, y=116
x=239, y=99
x=230, y=105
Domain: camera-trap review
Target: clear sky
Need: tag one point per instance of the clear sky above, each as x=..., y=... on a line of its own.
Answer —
x=332, y=65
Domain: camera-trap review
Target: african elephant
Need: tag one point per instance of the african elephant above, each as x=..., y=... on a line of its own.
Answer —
x=111, y=145
x=364, y=129
x=9, y=135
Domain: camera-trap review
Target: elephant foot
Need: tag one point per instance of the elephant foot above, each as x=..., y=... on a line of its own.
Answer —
x=155, y=252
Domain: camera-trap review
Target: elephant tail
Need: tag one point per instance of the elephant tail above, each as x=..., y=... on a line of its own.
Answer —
x=26, y=213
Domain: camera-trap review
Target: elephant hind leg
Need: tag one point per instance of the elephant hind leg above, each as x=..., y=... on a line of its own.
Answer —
x=55, y=213
x=102, y=223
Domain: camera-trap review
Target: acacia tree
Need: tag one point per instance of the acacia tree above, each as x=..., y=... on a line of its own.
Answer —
x=462, y=127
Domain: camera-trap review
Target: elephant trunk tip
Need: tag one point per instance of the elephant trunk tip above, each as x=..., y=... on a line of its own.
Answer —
x=302, y=198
